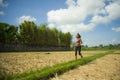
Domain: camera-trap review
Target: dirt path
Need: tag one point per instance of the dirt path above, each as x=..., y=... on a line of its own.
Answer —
x=105, y=68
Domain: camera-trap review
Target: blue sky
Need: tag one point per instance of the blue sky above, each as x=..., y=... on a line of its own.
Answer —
x=98, y=21
x=37, y=9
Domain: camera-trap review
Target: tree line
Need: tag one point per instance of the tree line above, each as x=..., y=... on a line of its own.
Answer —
x=102, y=47
x=28, y=33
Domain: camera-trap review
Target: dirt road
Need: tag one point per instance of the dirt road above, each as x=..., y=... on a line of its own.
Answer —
x=105, y=68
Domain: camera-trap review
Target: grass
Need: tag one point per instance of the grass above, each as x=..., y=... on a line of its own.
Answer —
x=48, y=72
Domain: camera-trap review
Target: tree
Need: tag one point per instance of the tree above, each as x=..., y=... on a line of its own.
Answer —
x=54, y=37
x=100, y=46
x=27, y=32
x=43, y=35
x=7, y=33
x=111, y=46
x=61, y=39
x=68, y=39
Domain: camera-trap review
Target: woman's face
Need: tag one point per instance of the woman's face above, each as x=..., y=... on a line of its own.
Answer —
x=77, y=36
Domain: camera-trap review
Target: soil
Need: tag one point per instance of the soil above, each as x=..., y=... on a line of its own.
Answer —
x=105, y=68
x=19, y=62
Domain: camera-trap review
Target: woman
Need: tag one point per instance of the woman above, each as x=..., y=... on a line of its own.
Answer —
x=78, y=45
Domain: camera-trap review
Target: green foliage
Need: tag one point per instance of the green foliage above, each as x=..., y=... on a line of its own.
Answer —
x=7, y=33
x=47, y=72
x=27, y=32
x=31, y=34
x=30, y=37
x=65, y=39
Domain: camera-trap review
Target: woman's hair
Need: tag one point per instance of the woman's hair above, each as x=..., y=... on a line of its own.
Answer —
x=78, y=35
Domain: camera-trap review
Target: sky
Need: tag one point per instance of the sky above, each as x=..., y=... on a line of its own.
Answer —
x=97, y=21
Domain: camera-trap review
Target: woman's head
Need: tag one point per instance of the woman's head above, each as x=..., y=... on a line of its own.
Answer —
x=78, y=35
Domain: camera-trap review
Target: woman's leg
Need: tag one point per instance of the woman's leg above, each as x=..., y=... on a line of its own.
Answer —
x=76, y=52
x=80, y=52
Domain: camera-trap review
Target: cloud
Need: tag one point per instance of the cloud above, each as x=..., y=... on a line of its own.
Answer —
x=115, y=41
x=71, y=3
x=27, y=18
x=1, y=13
x=2, y=5
x=51, y=25
x=116, y=29
x=72, y=19
x=113, y=10
x=99, y=42
x=73, y=28
x=112, y=41
x=111, y=13
x=74, y=14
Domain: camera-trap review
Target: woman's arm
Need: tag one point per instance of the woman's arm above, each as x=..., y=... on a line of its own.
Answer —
x=81, y=41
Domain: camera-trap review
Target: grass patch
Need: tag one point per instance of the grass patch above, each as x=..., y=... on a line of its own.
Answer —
x=48, y=72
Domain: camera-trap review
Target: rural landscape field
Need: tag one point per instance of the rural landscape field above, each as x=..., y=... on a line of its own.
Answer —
x=106, y=68
x=18, y=62
x=60, y=40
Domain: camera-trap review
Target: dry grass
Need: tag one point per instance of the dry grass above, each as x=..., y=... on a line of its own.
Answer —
x=12, y=63
x=105, y=68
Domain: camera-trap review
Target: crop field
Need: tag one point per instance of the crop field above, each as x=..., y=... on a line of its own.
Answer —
x=105, y=68
x=20, y=62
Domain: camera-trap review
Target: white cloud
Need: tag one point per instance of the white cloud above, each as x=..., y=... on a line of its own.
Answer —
x=115, y=41
x=76, y=14
x=111, y=13
x=71, y=3
x=116, y=29
x=114, y=10
x=99, y=42
x=1, y=13
x=74, y=28
x=66, y=16
x=27, y=18
x=100, y=19
x=51, y=25
x=3, y=4
x=72, y=19
x=112, y=41
x=91, y=6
